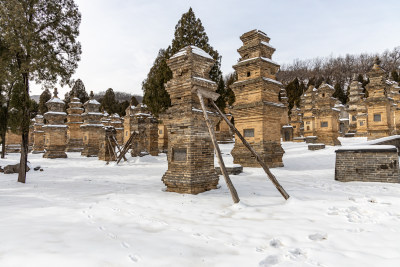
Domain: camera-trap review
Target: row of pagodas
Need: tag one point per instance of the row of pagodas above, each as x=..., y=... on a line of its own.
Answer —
x=323, y=117
x=84, y=131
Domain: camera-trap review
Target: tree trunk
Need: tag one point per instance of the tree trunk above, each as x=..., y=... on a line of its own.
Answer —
x=3, y=145
x=25, y=132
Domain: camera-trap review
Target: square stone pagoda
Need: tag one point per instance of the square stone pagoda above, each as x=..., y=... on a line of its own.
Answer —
x=74, y=122
x=92, y=127
x=38, y=135
x=55, y=130
x=257, y=110
x=190, y=150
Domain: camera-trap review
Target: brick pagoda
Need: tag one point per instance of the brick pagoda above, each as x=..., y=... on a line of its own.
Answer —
x=190, y=150
x=92, y=127
x=74, y=122
x=379, y=106
x=55, y=130
x=257, y=110
x=38, y=135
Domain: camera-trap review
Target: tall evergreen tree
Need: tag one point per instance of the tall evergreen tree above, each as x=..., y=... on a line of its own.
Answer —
x=339, y=93
x=134, y=101
x=395, y=76
x=108, y=102
x=41, y=37
x=229, y=80
x=80, y=90
x=44, y=97
x=155, y=96
x=188, y=31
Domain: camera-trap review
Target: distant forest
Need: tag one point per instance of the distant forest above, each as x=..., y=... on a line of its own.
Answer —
x=337, y=71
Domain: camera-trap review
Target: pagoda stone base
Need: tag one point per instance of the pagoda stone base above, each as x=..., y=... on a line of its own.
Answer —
x=330, y=139
x=190, y=182
x=38, y=151
x=374, y=134
x=89, y=151
x=74, y=145
x=270, y=152
x=55, y=152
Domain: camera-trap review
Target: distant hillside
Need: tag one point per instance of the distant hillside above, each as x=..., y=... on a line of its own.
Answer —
x=36, y=98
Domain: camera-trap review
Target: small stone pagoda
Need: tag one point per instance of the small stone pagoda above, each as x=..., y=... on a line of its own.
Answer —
x=379, y=106
x=92, y=127
x=257, y=110
x=38, y=135
x=296, y=121
x=308, y=111
x=107, y=144
x=139, y=119
x=395, y=95
x=190, y=150
x=74, y=122
x=356, y=96
x=13, y=142
x=117, y=123
x=55, y=130
x=326, y=116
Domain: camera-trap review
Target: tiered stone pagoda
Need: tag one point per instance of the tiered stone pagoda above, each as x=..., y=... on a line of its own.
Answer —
x=162, y=137
x=92, y=127
x=74, y=122
x=308, y=110
x=106, y=120
x=326, y=116
x=107, y=144
x=55, y=130
x=296, y=121
x=190, y=150
x=379, y=106
x=117, y=123
x=395, y=95
x=38, y=135
x=356, y=96
x=257, y=110
x=13, y=142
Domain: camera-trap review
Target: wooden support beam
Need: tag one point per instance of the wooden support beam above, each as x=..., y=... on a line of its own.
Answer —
x=119, y=149
x=260, y=161
x=228, y=181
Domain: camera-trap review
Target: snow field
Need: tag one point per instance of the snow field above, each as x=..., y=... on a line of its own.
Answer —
x=82, y=212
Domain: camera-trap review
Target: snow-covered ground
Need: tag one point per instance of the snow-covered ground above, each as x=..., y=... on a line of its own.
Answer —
x=82, y=212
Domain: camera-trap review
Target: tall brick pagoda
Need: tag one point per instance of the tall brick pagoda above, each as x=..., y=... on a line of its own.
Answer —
x=74, y=122
x=38, y=135
x=379, y=106
x=117, y=123
x=308, y=111
x=296, y=121
x=257, y=110
x=326, y=116
x=190, y=150
x=356, y=96
x=55, y=131
x=92, y=127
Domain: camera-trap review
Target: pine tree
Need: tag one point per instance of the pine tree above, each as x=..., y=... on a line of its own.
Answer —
x=221, y=90
x=188, y=31
x=42, y=39
x=155, y=96
x=395, y=76
x=229, y=80
x=339, y=93
x=80, y=90
x=108, y=102
x=44, y=97
x=134, y=101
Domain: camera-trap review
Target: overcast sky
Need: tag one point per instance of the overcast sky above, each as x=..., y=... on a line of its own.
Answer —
x=120, y=38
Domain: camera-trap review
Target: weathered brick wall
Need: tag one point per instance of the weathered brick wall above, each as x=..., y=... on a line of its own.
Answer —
x=367, y=165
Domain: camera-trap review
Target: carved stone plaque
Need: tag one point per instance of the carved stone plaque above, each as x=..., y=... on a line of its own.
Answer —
x=179, y=154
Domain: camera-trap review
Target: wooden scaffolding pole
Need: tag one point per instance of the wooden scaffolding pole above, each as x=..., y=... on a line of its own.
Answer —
x=260, y=161
x=228, y=181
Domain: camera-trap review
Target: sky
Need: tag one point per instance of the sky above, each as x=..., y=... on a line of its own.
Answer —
x=121, y=38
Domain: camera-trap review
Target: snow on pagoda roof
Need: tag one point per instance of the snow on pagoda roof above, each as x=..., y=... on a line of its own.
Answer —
x=93, y=101
x=195, y=50
x=267, y=44
x=55, y=100
x=203, y=79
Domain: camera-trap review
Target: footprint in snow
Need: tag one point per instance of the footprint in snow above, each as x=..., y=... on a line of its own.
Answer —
x=134, y=258
x=125, y=245
x=297, y=254
x=111, y=235
x=276, y=243
x=101, y=228
x=318, y=237
x=270, y=261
